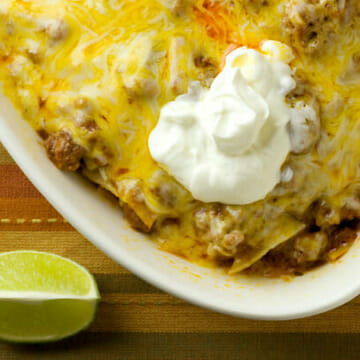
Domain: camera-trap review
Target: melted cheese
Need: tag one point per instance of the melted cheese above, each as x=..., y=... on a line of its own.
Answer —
x=114, y=63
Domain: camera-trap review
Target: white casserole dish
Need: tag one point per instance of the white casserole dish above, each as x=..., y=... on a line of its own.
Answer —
x=101, y=222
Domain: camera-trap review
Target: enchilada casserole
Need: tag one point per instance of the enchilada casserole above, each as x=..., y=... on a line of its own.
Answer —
x=92, y=77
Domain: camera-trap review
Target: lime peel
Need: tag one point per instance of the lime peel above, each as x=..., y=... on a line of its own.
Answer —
x=44, y=297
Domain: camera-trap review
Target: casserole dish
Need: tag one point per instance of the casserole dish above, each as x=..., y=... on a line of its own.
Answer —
x=100, y=222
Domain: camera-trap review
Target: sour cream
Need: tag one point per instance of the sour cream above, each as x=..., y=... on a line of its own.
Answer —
x=228, y=143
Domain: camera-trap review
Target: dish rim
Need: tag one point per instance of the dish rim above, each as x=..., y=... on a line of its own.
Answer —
x=128, y=260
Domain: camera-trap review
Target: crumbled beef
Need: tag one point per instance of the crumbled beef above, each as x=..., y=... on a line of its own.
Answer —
x=304, y=128
x=305, y=124
x=63, y=151
x=57, y=30
x=141, y=87
x=308, y=247
x=256, y=3
x=313, y=22
x=306, y=251
x=134, y=220
x=177, y=7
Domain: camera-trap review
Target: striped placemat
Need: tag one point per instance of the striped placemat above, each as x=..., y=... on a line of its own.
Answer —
x=138, y=321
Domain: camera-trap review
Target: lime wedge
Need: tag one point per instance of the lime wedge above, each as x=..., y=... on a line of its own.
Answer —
x=44, y=297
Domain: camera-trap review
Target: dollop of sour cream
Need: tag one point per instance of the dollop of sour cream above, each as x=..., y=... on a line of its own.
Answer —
x=228, y=143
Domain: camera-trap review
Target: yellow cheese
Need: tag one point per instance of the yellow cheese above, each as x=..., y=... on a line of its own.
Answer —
x=110, y=65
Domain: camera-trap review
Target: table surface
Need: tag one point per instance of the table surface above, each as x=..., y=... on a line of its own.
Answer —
x=138, y=321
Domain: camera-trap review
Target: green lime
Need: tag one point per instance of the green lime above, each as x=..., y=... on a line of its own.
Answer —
x=44, y=297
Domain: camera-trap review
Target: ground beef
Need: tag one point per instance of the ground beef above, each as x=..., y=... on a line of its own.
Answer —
x=341, y=240
x=63, y=151
x=137, y=87
x=134, y=220
x=83, y=114
x=313, y=22
x=325, y=215
x=226, y=246
x=308, y=247
x=208, y=68
x=306, y=251
x=304, y=128
x=57, y=30
x=256, y=3
x=177, y=7
x=166, y=195
x=305, y=123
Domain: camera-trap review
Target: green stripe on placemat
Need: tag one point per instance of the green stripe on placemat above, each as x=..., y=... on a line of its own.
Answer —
x=124, y=284
x=163, y=346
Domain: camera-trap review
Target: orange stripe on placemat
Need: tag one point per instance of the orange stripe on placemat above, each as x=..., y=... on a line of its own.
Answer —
x=14, y=184
x=30, y=213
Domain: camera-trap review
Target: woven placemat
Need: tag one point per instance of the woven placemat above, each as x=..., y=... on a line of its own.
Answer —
x=138, y=321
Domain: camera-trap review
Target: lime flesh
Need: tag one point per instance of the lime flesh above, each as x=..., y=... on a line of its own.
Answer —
x=44, y=297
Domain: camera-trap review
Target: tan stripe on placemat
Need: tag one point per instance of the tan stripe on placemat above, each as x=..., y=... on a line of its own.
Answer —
x=150, y=313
